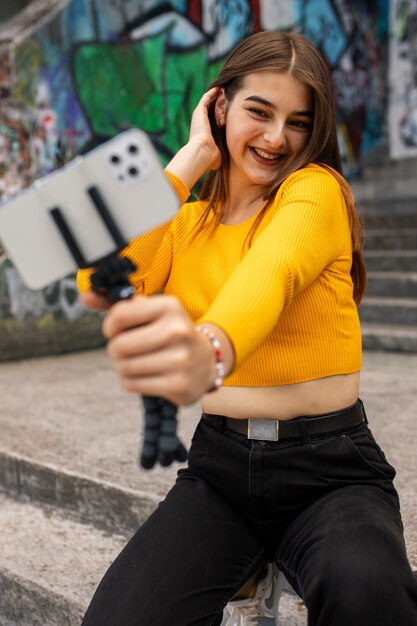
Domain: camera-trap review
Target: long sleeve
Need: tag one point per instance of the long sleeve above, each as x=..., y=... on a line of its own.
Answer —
x=308, y=231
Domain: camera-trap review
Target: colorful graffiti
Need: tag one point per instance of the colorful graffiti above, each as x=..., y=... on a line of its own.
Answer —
x=98, y=67
x=403, y=79
x=59, y=299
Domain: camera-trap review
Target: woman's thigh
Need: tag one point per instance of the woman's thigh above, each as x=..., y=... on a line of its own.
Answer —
x=345, y=555
x=182, y=566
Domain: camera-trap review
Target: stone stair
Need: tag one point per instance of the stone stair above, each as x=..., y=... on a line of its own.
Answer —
x=389, y=310
x=71, y=493
x=45, y=577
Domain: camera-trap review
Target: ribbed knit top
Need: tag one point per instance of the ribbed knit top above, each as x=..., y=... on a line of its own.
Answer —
x=286, y=302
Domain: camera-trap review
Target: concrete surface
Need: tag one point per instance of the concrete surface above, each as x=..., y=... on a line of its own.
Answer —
x=69, y=411
x=68, y=448
x=387, y=181
x=55, y=561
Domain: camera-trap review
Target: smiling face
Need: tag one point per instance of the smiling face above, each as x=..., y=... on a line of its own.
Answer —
x=268, y=124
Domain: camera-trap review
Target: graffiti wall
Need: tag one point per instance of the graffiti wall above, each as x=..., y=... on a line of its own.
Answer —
x=403, y=79
x=100, y=66
x=103, y=65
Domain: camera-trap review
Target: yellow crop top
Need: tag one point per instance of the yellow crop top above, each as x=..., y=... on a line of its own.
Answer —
x=286, y=304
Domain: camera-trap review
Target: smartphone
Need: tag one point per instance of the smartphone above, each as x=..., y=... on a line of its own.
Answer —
x=58, y=223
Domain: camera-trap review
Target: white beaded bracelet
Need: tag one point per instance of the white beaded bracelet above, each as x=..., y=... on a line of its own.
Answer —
x=218, y=355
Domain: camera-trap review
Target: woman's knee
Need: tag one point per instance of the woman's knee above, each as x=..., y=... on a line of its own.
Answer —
x=359, y=590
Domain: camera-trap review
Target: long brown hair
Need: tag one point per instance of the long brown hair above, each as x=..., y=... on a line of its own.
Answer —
x=293, y=54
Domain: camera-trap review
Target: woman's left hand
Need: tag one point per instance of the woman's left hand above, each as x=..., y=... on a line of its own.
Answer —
x=157, y=351
x=201, y=152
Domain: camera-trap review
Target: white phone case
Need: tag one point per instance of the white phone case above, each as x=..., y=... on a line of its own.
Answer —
x=129, y=178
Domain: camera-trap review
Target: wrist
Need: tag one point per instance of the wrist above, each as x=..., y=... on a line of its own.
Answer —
x=217, y=352
x=190, y=163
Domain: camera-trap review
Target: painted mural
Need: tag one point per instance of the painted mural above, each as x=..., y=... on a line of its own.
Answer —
x=101, y=66
x=403, y=79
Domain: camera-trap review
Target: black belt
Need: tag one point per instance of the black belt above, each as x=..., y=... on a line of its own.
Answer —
x=278, y=430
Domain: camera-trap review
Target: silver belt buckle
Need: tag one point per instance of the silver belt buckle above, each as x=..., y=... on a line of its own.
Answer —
x=263, y=430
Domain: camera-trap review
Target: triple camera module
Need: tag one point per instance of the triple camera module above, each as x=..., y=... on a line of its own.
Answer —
x=128, y=162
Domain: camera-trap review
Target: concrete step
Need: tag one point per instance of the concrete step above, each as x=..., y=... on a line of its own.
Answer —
x=49, y=565
x=391, y=260
x=391, y=239
x=391, y=181
x=387, y=202
x=384, y=169
x=48, y=335
x=395, y=213
x=389, y=338
x=392, y=284
x=67, y=412
x=107, y=506
x=400, y=311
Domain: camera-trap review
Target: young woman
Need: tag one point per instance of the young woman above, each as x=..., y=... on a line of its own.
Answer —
x=261, y=279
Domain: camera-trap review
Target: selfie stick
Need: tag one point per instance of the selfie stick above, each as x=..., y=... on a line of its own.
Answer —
x=111, y=279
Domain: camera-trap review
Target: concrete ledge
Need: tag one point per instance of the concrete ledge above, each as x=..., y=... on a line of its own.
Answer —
x=49, y=565
x=25, y=603
x=391, y=260
x=391, y=239
x=389, y=213
x=396, y=311
x=386, y=180
x=100, y=503
x=392, y=284
x=48, y=336
x=389, y=338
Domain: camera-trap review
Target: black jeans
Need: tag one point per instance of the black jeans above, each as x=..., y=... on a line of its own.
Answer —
x=325, y=510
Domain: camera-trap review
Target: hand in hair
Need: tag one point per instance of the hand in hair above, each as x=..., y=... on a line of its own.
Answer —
x=201, y=153
x=200, y=130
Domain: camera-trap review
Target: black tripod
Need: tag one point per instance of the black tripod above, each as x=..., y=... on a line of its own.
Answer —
x=111, y=279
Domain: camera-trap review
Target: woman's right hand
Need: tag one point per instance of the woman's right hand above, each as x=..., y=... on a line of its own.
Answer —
x=201, y=153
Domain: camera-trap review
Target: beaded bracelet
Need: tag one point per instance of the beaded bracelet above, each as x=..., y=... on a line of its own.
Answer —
x=217, y=354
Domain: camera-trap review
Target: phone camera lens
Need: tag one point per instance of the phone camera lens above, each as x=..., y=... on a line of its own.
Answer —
x=115, y=159
x=133, y=171
x=133, y=149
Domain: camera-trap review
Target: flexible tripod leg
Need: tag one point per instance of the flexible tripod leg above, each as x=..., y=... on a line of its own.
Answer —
x=170, y=448
x=151, y=431
x=160, y=441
